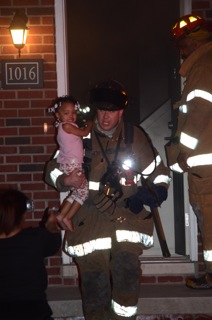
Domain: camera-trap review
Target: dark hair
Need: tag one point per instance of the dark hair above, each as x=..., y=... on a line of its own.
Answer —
x=13, y=205
x=56, y=103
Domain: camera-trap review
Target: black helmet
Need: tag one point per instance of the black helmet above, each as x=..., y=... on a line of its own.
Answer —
x=109, y=95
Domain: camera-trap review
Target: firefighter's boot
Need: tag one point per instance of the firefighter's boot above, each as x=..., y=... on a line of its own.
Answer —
x=204, y=282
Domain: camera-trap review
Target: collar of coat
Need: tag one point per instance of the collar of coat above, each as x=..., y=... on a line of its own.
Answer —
x=116, y=133
x=195, y=56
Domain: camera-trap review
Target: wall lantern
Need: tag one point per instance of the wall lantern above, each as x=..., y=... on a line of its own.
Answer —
x=18, y=30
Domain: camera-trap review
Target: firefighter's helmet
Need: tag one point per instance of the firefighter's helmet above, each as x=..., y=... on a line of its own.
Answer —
x=109, y=95
x=186, y=25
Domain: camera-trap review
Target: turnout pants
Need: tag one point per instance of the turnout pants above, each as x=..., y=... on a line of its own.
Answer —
x=109, y=284
x=107, y=248
x=200, y=194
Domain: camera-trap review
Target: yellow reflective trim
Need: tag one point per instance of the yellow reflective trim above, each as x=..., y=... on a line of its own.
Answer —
x=188, y=141
x=162, y=178
x=155, y=163
x=56, y=154
x=175, y=167
x=183, y=108
x=94, y=185
x=54, y=175
x=138, y=176
x=207, y=255
x=87, y=137
x=197, y=93
x=88, y=247
x=123, y=181
x=200, y=160
x=134, y=237
x=123, y=311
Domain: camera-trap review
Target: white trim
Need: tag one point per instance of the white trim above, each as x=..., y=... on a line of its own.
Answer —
x=193, y=236
x=191, y=228
x=62, y=69
x=61, y=47
x=185, y=7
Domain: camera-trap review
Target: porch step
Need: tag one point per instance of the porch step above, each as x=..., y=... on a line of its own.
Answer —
x=155, y=300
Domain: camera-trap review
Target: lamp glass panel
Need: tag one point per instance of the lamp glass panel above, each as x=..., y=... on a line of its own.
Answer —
x=19, y=36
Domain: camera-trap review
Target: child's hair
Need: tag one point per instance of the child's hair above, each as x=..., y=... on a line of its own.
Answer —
x=56, y=103
x=13, y=205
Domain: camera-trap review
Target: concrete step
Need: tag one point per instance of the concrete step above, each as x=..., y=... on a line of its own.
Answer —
x=155, y=300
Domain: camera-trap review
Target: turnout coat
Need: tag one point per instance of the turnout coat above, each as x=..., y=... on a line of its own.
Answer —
x=103, y=221
x=193, y=136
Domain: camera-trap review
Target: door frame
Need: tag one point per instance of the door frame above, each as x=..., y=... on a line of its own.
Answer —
x=63, y=88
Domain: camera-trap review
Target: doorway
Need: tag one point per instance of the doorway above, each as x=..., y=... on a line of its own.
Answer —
x=129, y=41
x=143, y=62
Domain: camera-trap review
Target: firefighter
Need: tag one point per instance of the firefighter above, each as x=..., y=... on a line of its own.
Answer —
x=190, y=149
x=113, y=227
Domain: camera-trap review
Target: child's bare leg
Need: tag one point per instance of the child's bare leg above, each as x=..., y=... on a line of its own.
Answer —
x=65, y=207
x=71, y=212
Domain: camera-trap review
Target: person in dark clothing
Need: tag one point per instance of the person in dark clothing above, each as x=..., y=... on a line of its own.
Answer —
x=23, y=276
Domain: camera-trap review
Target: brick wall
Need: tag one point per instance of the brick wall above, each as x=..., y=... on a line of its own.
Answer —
x=24, y=147
x=203, y=8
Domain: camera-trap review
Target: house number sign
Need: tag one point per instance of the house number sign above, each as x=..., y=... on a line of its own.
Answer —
x=22, y=73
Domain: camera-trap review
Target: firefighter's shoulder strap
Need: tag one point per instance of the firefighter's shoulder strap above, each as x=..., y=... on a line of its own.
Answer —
x=128, y=134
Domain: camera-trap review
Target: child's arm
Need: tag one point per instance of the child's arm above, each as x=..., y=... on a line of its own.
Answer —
x=81, y=132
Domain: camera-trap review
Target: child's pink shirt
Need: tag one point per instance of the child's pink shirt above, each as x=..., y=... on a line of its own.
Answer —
x=71, y=146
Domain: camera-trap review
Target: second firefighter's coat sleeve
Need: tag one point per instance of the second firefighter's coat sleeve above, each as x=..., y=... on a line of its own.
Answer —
x=150, y=163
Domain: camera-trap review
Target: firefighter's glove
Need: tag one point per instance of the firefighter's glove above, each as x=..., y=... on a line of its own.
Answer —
x=152, y=196
x=134, y=203
x=144, y=196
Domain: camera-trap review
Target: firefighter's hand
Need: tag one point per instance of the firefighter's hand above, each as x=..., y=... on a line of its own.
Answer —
x=75, y=179
x=182, y=161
